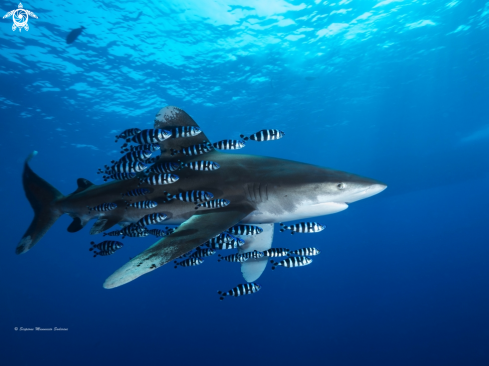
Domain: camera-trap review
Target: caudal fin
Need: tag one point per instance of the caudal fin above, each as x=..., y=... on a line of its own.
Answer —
x=42, y=197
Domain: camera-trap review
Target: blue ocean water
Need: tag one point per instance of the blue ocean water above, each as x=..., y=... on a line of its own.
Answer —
x=393, y=90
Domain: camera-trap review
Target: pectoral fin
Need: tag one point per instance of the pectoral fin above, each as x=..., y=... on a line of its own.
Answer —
x=253, y=268
x=192, y=233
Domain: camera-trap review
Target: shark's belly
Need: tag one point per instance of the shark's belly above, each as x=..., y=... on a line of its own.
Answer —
x=302, y=212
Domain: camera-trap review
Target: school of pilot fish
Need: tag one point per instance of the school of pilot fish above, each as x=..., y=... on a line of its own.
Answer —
x=138, y=157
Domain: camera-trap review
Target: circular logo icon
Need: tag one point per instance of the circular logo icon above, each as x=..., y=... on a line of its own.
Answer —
x=16, y=328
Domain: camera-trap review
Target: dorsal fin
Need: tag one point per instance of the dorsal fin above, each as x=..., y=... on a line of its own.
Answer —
x=82, y=184
x=170, y=117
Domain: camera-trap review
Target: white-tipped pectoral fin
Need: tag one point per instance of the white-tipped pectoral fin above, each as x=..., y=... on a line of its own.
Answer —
x=253, y=268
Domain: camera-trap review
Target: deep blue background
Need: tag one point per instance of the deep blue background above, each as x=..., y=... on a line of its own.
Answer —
x=403, y=276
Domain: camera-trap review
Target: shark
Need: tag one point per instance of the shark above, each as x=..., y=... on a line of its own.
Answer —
x=261, y=190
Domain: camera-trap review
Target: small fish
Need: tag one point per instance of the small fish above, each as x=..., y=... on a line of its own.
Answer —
x=303, y=227
x=224, y=241
x=253, y=255
x=158, y=232
x=276, y=252
x=221, y=202
x=159, y=179
x=167, y=167
x=151, y=147
x=226, y=238
x=152, y=160
x=170, y=231
x=193, y=150
x=141, y=155
x=114, y=233
x=103, y=207
x=152, y=219
x=245, y=230
x=240, y=290
x=192, y=196
x=142, y=204
x=202, y=165
x=185, y=131
x=119, y=176
x=107, y=245
x=229, y=144
x=150, y=136
x=305, y=251
x=265, y=135
x=223, y=246
x=125, y=167
x=134, y=231
x=127, y=133
x=136, y=192
x=202, y=253
x=292, y=262
x=189, y=262
x=73, y=35
x=104, y=253
x=234, y=258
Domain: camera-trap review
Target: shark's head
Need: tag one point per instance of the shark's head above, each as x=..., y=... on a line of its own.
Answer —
x=309, y=191
x=343, y=187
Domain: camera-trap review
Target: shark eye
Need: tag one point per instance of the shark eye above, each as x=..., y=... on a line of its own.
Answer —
x=340, y=186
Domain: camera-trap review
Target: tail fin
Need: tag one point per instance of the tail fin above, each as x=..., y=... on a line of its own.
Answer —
x=42, y=197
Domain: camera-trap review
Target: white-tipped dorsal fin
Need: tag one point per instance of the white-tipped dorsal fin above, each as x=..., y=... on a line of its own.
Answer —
x=253, y=268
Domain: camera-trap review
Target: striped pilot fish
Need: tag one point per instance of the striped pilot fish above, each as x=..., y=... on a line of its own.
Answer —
x=107, y=245
x=103, y=253
x=219, y=203
x=150, y=136
x=114, y=233
x=223, y=246
x=134, y=156
x=158, y=232
x=185, y=131
x=119, y=176
x=305, y=251
x=203, y=253
x=192, y=196
x=127, y=133
x=240, y=290
x=226, y=238
x=167, y=167
x=103, y=207
x=292, y=262
x=189, y=262
x=303, y=227
x=159, y=179
x=170, y=230
x=229, y=144
x=276, y=252
x=253, y=255
x=265, y=135
x=245, y=230
x=153, y=160
x=234, y=258
x=152, y=219
x=150, y=147
x=125, y=167
x=202, y=165
x=136, y=192
x=193, y=150
x=141, y=205
x=134, y=231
